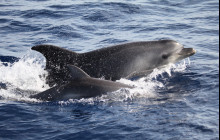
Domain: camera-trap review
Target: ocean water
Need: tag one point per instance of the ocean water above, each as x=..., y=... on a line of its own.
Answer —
x=179, y=102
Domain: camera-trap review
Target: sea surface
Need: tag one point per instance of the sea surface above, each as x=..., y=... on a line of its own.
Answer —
x=179, y=102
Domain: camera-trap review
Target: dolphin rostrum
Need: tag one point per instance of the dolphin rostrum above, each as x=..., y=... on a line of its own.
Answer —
x=81, y=85
x=113, y=62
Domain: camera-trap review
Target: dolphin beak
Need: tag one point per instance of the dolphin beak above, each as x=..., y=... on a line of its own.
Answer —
x=186, y=52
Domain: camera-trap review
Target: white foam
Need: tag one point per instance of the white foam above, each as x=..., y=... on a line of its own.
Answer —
x=12, y=95
x=26, y=75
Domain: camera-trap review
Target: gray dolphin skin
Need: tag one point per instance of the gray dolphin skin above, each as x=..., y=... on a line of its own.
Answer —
x=113, y=62
x=81, y=85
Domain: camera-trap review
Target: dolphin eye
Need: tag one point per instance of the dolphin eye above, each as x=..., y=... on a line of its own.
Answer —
x=165, y=56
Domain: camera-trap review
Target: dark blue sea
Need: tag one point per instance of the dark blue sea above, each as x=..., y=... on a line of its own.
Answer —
x=179, y=102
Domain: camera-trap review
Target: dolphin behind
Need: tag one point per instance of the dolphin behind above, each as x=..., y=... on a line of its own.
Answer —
x=113, y=62
x=81, y=85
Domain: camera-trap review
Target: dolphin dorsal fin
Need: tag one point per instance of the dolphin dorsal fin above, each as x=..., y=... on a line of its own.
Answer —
x=55, y=56
x=77, y=73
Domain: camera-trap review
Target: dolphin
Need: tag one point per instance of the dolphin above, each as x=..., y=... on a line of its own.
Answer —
x=81, y=85
x=112, y=63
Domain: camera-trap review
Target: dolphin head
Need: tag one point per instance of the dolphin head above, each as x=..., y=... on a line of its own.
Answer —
x=163, y=52
x=173, y=52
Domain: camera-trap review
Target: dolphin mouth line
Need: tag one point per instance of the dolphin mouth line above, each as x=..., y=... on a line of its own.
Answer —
x=186, y=52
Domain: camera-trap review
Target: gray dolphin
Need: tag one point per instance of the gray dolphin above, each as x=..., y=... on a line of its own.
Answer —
x=81, y=85
x=112, y=62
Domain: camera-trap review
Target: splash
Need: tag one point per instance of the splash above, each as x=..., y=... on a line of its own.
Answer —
x=23, y=77
x=27, y=77
x=144, y=88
